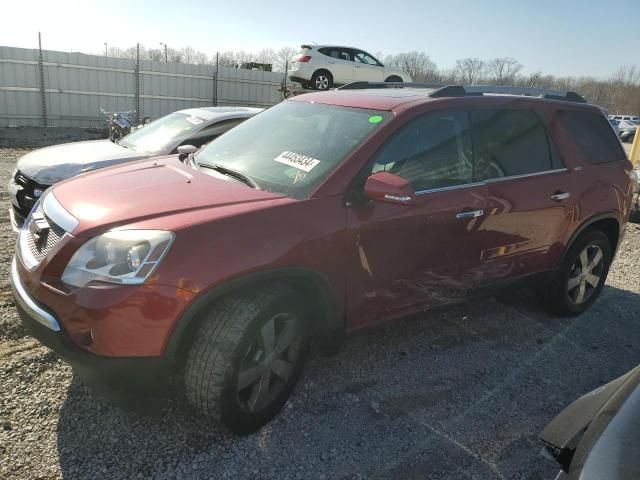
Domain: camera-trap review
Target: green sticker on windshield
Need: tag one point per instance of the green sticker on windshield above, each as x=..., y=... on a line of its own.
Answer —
x=375, y=119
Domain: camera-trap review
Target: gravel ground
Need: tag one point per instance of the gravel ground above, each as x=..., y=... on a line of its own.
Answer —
x=460, y=393
x=36, y=137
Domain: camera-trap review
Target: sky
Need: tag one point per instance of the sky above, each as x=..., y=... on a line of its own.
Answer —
x=560, y=37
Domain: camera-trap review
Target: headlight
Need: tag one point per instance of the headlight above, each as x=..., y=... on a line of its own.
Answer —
x=122, y=256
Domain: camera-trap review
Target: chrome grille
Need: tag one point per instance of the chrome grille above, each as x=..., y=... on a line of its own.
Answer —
x=40, y=244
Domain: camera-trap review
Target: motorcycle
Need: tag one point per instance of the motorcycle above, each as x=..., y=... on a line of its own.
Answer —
x=120, y=124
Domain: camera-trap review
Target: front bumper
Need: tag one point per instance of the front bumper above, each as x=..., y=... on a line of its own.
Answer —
x=113, y=377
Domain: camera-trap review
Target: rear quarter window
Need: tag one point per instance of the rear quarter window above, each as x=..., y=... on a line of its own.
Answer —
x=593, y=135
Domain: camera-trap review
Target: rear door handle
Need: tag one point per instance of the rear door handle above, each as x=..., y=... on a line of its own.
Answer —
x=472, y=214
x=559, y=196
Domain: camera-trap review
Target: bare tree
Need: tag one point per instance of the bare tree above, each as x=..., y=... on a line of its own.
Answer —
x=503, y=70
x=282, y=58
x=470, y=69
x=266, y=55
x=417, y=64
x=193, y=56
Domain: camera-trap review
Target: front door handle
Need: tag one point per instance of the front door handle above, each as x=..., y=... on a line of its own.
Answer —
x=472, y=214
x=559, y=196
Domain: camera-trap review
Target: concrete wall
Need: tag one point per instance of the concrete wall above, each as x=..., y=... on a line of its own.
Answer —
x=78, y=85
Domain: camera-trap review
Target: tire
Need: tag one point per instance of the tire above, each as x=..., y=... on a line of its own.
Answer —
x=231, y=348
x=393, y=78
x=562, y=298
x=321, y=80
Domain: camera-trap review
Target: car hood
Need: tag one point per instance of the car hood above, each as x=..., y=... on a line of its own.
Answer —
x=596, y=436
x=59, y=162
x=161, y=187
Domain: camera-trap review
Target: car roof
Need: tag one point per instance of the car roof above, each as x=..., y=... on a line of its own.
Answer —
x=392, y=98
x=221, y=113
x=376, y=99
x=331, y=46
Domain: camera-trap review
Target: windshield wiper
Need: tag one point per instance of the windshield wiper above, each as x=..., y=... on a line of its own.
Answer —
x=232, y=173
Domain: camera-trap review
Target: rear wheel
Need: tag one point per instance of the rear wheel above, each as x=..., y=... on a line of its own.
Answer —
x=321, y=80
x=247, y=357
x=393, y=78
x=576, y=285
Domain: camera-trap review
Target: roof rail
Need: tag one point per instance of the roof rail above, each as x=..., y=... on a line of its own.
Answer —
x=459, y=90
x=365, y=85
x=470, y=90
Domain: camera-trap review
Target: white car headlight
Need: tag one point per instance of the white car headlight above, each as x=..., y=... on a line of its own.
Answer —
x=121, y=256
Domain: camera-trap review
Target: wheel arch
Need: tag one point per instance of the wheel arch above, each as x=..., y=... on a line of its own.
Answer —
x=607, y=223
x=327, y=314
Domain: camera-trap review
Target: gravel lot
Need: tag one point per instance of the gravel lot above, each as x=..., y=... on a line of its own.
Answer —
x=458, y=394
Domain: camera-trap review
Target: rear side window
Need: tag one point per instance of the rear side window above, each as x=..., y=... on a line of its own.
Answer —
x=509, y=143
x=337, y=53
x=593, y=135
x=432, y=151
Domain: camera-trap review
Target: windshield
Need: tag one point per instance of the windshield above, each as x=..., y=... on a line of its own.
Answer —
x=163, y=133
x=292, y=147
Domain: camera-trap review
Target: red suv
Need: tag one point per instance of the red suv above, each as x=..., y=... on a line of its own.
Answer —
x=324, y=214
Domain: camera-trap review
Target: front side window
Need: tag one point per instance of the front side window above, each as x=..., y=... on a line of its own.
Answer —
x=292, y=147
x=431, y=151
x=211, y=132
x=509, y=143
x=363, y=57
x=596, y=140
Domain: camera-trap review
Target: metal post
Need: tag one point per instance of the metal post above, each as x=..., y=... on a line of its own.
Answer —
x=215, y=81
x=166, y=56
x=43, y=90
x=105, y=50
x=137, y=74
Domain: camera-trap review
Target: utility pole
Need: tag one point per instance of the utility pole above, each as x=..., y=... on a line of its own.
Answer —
x=166, y=56
x=105, y=49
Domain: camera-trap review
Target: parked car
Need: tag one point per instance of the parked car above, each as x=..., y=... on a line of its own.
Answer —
x=38, y=170
x=325, y=214
x=627, y=130
x=594, y=437
x=323, y=66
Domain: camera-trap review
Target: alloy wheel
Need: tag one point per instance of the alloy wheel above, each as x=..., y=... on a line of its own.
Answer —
x=322, y=82
x=269, y=362
x=585, y=275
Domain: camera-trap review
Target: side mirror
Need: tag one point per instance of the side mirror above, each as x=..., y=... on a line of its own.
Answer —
x=185, y=150
x=389, y=188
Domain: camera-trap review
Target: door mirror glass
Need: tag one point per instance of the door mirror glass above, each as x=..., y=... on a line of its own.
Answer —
x=389, y=188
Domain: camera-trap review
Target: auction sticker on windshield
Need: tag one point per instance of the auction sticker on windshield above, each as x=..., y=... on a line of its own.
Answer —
x=297, y=160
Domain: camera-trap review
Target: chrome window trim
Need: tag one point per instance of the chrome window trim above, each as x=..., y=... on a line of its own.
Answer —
x=58, y=214
x=526, y=175
x=492, y=180
x=452, y=187
x=28, y=304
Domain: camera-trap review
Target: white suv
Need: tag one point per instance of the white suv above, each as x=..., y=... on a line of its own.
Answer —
x=322, y=66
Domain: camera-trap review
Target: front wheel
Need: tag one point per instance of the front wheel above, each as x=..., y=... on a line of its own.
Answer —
x=247, y=357
x=576, y=285
x=393, y=78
